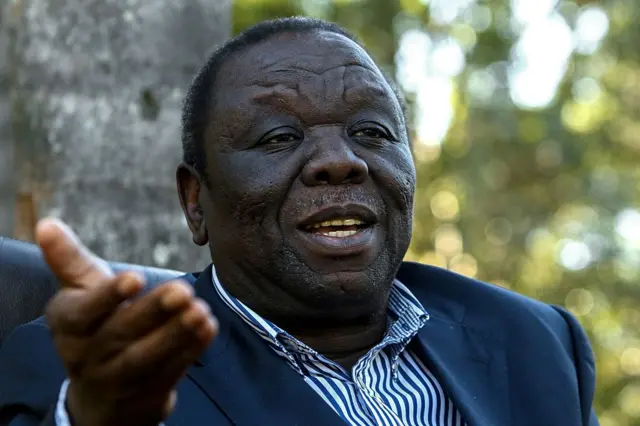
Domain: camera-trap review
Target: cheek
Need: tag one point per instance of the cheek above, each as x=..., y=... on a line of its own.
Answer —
x=250, y=190
x=397, y=177
x=406, y=189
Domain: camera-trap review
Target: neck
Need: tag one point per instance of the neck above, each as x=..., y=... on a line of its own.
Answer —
x=343, y=335
x=344, y=344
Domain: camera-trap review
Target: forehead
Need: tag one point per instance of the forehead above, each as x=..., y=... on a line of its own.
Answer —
x=303, y=72
x=315, y=53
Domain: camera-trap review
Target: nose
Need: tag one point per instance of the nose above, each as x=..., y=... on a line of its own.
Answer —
x=334, y=163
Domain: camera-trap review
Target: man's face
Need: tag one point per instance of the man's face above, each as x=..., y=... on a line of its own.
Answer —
x=311, y=179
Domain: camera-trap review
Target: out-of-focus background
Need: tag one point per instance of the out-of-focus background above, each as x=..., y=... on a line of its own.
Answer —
x=525, y=121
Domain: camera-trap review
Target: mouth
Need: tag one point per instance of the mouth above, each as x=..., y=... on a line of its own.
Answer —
x=339, y=222
x=349, y=231
x=337, y=228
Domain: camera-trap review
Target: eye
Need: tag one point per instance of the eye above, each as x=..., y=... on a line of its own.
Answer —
x=281, y=138
x=371, y=132
x=282, y=135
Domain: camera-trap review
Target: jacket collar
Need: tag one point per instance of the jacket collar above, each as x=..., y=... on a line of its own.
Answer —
x=245, y=378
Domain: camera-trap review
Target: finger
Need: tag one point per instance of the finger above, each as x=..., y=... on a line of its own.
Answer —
x=68, y=258
x=145, y=314
x=164, y=354
x=170, y=404
x=80, y=312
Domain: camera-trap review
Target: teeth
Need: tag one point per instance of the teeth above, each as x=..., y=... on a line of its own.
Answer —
x=338, y=222
x=339, y=234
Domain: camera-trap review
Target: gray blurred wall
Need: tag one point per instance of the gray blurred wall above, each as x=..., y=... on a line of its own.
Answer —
x=7, y=194
x=93, y=90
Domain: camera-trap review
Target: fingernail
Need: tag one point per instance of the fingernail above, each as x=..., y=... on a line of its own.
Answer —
x=196, y=314
x=208, y=330
x=176, y=297
x=129, y=285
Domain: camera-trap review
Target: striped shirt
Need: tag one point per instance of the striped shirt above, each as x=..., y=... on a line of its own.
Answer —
x=388, y=386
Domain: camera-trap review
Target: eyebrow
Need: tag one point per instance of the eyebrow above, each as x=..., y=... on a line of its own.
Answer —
x=366, y=99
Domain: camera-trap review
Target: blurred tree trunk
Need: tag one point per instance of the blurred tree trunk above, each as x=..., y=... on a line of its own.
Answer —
x=95, y=110
x=7, y=196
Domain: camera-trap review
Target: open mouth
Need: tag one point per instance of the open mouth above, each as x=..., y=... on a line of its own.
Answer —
x=337, y=228
x=340, y=232
x=342, y=222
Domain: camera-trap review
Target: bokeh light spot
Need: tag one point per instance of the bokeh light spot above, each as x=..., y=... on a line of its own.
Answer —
x=448, y=240
x=630, y=361
x=579, y=301
x=445, y=206
x=574, y=255
x=464, y=264
x=498, y=231
x=629, y=400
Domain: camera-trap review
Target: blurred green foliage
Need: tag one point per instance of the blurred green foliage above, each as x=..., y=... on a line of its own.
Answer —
x=540, y=198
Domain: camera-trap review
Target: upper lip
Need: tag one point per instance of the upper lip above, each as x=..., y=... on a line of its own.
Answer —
x=349, y=211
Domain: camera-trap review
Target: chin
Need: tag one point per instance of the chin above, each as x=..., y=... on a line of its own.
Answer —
x=342, y=287
x=348, y=283
x=348, y=289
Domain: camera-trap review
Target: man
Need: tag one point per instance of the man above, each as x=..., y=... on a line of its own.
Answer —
x=298, y=175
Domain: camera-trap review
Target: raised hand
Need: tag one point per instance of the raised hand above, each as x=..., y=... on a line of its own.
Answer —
x=123, y=356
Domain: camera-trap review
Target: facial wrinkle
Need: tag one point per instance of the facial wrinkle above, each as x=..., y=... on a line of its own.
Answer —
x=358, y=85
x=341, y=86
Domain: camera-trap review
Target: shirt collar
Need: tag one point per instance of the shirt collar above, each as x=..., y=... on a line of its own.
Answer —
x=406, y=318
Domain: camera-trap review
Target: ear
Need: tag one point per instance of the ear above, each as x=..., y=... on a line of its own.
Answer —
x=189, y=185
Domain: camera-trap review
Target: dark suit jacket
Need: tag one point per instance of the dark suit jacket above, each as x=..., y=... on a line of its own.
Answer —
x=504, y=359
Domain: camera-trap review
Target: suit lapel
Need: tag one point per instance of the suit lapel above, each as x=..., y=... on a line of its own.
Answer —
x=247, y=380
x=463, y=352
x=474, y=378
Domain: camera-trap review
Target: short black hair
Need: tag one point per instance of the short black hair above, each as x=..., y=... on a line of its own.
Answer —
x=200, y=95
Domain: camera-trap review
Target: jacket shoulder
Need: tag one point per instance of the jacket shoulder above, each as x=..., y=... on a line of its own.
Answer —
x=31, y=371
x=436, y=287
x=545, y=345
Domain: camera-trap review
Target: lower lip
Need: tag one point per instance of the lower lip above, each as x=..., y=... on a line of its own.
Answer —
x=339, y=246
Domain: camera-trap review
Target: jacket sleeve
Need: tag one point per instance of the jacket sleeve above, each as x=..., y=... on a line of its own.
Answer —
x=584, y=361
x=31, y=376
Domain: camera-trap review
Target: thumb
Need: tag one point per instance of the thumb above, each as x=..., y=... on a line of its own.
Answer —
x=68, y=258
x=170, y=404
